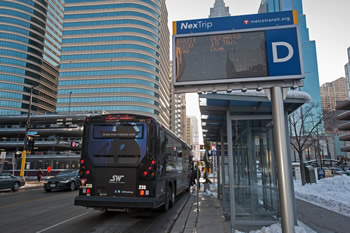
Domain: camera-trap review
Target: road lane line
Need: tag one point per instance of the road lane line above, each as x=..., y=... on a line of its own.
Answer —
x=28, y=201
x=60, y=223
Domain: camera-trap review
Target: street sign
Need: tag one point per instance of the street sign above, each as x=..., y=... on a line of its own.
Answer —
x=219, y=24
x=256, y=48
x=49, y=169
x=32, y=133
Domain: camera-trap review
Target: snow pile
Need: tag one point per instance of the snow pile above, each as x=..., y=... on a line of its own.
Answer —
x=32, y=184
x=276, y=228
x=330, y=193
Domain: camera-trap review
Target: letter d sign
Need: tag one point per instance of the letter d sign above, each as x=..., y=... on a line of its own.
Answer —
x=276, y=59
x=283, y=56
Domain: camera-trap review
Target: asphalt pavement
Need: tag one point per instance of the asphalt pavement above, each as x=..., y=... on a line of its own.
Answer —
x=209, y=216
x=32, y=210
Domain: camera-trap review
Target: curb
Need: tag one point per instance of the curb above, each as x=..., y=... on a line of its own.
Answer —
x=178, y=214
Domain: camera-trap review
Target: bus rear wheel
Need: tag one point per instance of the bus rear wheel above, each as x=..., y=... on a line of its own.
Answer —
x=167, y=199
x=172, y=197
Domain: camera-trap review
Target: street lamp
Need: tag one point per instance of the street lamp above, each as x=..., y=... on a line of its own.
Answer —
x=25, y=146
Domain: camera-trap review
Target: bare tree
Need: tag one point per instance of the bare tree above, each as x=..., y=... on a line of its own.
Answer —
x=303, y=124
x=330, y=121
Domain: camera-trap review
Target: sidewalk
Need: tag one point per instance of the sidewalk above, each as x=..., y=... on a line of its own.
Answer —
x=321, y=220
x=210, y=218
x=207, y=219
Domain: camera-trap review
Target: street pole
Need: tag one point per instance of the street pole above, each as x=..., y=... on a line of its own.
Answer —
x=25, y=147
x=70, y=96
x=283, y=166
x=198, y=185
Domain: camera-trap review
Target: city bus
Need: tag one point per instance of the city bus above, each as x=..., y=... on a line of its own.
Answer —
x=131, y=161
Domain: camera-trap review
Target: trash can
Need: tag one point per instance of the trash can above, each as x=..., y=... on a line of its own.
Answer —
x=310, y=174
x=328, y=173
x=347, y=172
x=320, y=173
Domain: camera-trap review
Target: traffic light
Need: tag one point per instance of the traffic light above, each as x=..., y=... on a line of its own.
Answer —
x=30, y=144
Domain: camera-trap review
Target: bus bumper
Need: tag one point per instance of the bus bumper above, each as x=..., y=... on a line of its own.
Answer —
x=115, y=202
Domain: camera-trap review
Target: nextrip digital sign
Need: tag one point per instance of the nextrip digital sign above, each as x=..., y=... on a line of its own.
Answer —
x=244, y=48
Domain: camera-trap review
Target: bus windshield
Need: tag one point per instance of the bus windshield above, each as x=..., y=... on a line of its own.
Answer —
x=117, y=143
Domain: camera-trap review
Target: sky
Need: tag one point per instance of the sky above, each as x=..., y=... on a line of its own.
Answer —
x=328, y=23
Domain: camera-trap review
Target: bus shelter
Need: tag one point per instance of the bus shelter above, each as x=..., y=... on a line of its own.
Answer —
x=241, y=126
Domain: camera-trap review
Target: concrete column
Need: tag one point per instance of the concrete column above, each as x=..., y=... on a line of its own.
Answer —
x=281, y=151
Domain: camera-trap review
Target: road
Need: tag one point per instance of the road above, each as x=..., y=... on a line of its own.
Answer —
x=37, y=211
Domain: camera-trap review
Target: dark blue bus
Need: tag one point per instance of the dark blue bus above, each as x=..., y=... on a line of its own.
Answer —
x=131, y=161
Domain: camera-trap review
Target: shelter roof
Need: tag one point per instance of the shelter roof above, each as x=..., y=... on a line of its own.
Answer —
x=249, y=105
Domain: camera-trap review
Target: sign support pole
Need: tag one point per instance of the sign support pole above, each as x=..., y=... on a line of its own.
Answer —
x=283, y=167
x=230, y=168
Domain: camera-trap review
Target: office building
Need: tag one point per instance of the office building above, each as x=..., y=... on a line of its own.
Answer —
x=189, y=131
x=176, y=113
x=183, y=117
x=219, y=9
x=30, y=45
x=332, y=92
x=115, y=58
x=347, y=75
x=177, y=109
x=311, y=81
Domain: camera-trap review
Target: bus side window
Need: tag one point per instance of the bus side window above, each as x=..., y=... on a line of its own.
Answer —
x=162, y=142
x=157, y=140
x=152, y=139
x=161, y=155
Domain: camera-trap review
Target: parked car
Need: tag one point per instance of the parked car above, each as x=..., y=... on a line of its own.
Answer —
x=8, y=181
x=69, y=180
x=337, y=171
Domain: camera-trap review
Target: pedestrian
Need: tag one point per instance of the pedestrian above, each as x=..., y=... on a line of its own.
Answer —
x=40, y=174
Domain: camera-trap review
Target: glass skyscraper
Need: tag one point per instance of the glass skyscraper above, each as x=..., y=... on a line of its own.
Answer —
x=219, y=9
x=311, y=81
x=30, y=45
x=115, y=58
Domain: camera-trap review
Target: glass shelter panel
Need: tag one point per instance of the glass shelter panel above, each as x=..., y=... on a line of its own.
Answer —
x=255, y=178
